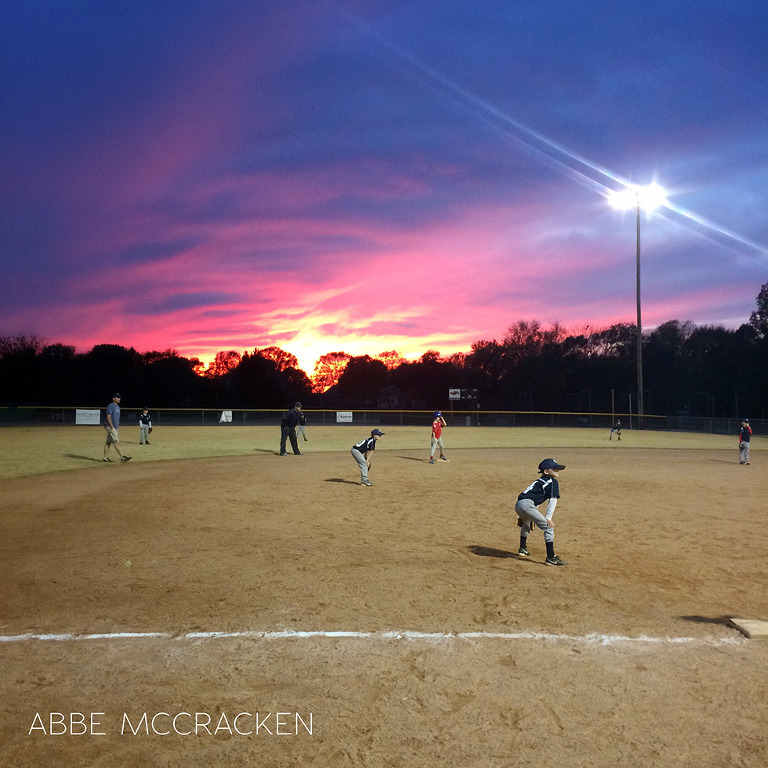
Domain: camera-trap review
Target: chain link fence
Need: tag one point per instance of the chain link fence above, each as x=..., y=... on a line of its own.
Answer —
x=52, y=416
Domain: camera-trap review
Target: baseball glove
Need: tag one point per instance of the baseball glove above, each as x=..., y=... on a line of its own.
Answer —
x=149, y=432
x=519, y=522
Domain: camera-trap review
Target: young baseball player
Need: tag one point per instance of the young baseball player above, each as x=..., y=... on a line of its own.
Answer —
x=145, y=427
x=617, y=429
x=361, y=452
x=546, y=488
x=302, y=426
x=437, y=437
x=745, y=433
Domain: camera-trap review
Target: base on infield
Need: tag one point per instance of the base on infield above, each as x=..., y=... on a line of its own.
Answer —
x=751, y=628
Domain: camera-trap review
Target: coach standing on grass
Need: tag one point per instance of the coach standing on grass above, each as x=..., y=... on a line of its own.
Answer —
x=288, y=429
x=112, y=425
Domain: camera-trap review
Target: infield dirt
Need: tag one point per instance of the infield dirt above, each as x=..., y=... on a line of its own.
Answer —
x=622, y=657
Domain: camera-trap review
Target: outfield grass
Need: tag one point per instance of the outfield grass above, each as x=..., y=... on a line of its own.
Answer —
x=37, y=450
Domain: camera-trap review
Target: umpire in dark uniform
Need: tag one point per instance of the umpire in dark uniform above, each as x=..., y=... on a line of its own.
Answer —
x=288, y=429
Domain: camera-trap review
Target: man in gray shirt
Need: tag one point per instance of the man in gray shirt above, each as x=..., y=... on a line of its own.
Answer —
x=112, y=425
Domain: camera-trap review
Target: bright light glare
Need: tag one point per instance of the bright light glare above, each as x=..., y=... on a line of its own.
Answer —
x=647, y=197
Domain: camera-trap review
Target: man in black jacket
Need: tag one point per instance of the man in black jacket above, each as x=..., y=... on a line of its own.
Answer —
x=288, y=429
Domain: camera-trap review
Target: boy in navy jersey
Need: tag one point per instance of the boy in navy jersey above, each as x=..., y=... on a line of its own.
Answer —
x=361, y=452
x=546, y=488
x=745, y=433
x=145, y=426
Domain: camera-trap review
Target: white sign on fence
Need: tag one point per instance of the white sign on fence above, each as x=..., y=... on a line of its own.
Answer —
x=226, y=417
x=454, y=394
x=87, y=416
x=343, y=417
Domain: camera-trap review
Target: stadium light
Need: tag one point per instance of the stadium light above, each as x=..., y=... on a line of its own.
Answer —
x=648, y=198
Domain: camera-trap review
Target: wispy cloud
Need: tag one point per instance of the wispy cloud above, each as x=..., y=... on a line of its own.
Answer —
x=363, y=178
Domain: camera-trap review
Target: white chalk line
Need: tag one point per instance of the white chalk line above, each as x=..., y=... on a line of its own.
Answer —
x=408, y=635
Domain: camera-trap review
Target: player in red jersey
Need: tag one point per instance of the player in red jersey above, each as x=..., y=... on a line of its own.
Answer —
x=437, y=439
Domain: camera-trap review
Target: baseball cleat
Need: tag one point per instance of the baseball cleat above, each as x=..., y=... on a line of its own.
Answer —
x=125, y=458
x=366, y=482
x=431, y=461
x=523, y=552
x=443, y=458
x=555, y=560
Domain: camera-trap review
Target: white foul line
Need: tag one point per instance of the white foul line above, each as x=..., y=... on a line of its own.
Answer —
x=589, y=639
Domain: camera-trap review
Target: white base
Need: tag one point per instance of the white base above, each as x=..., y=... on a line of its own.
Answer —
x=751, y=627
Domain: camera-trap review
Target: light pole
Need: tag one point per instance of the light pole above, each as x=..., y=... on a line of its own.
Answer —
x=648, y=198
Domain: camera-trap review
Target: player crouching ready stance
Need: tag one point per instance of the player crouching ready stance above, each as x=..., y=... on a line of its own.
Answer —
x=361, y=451
x=546, y=488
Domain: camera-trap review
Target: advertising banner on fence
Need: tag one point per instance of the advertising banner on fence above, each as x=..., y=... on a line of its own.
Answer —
x=343, y=417
x=87, y=416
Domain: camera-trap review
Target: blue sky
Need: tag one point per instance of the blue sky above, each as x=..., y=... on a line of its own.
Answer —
x=367, y=176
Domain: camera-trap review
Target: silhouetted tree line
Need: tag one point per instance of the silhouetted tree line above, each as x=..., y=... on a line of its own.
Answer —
x=701, y=370
x=34, y=373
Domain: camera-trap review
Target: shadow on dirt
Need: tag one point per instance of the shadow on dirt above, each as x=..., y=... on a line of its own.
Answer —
x=341, y=480
x=480, y=551
x=83, y=458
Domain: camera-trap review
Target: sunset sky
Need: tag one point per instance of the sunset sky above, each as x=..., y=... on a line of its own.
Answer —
x=378, y=174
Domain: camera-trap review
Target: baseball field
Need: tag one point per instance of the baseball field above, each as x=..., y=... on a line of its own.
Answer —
x=210, y=603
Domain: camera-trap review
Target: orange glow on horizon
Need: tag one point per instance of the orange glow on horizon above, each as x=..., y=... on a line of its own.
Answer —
x=309, y=351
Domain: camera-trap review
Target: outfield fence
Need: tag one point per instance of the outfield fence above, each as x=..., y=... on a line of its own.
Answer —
x=35, y=416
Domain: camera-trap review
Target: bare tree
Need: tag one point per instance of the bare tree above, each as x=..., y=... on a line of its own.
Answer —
x=20, y=343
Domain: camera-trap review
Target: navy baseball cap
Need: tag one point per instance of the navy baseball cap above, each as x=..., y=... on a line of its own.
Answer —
x=438, y=413
x=550, y=464
x=376, y=432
